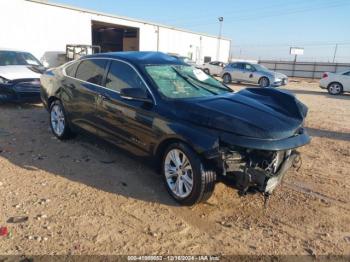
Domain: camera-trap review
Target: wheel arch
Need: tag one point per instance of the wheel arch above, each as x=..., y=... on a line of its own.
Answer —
x=268, y=78
x=50, y=100
x=200, y=144
x=336, y=82
x=228, y=74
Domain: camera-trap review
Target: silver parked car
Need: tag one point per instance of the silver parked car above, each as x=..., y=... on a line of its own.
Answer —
x=336, y=83
x=252, y=73
x=213, y=68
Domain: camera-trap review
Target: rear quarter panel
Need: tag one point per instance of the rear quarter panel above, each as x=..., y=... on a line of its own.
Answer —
x=50, y=85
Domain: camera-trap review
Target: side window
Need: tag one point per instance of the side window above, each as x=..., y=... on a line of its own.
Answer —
x=71, y=69
x=91, y=70
x=347, y=74
x=122, y=76
x=248, y=67
x=237, y=66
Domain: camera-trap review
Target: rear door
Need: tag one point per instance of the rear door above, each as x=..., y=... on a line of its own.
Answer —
x=82, y=92
x=127, y=123
x=237, y=72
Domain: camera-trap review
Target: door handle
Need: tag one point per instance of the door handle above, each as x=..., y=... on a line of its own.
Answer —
x=104, y=97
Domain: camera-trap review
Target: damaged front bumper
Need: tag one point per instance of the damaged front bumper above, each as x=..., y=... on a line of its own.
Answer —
x=20, y=91
x=255, y=170
x=257, y=164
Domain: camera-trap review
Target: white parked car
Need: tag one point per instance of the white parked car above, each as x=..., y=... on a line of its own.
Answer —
x=213, y=68
x=20, y=75
x=336, y=83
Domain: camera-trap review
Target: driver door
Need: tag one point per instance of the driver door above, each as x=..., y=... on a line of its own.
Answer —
x=248, y=73
x=127, y=123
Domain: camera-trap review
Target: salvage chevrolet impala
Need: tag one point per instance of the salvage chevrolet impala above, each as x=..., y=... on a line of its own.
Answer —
x=197, y=128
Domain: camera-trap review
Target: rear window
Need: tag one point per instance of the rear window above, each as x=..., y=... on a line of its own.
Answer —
x=71, y=69
x=91, y=70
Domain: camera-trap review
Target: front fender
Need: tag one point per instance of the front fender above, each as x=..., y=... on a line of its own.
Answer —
x=200, y=139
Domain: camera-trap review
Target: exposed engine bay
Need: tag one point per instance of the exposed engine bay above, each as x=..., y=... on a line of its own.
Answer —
x=256, y=170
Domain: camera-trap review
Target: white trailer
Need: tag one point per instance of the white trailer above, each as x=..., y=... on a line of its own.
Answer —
x=44, y=29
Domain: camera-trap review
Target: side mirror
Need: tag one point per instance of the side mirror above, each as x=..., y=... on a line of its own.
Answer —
x=136, y=94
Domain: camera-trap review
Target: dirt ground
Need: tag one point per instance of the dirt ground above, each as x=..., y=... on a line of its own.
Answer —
x=84, y=196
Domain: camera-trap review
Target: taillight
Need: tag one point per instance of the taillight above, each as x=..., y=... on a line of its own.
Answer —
x=325, y=75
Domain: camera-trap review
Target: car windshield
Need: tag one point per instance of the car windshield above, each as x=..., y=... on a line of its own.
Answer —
x=8, y=58
x=174, y=81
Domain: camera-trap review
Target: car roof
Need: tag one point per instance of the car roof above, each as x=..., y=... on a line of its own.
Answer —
x=13, y=50
x=140, y=58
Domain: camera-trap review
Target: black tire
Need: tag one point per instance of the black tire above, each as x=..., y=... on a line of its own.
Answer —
x=264, y=82
x=227, y=78
x=207, y=71
x=203, y=179
x=335, y=88
x=66, y=133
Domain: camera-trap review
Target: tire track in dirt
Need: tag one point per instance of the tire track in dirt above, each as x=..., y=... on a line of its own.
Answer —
x=297, y=186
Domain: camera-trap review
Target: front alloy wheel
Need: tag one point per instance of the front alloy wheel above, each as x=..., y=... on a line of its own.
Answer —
x=58, y=121
x=185, y=177
x=264, y=82
x=227, y=79
x=179, y=173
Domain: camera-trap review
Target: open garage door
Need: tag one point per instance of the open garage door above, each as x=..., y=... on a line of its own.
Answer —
x=115, y=38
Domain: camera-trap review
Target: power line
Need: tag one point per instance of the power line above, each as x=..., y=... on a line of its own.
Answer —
x=231, y=13
x=295, y=43
x=290, y=12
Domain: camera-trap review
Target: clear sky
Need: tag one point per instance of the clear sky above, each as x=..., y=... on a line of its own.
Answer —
x=258, y=28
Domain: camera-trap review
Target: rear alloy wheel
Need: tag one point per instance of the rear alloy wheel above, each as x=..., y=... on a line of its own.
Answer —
x=335, y=88
x=58, y=121
x=227, y=78
x=264, y=82
x=185, y=177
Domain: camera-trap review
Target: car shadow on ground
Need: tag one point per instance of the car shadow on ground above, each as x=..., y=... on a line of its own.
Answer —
x=84, y=159
x=328, y=134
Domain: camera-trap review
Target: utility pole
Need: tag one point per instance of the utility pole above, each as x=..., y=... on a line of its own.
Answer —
x=221, y=20
x=335, y=52
x=158, y=38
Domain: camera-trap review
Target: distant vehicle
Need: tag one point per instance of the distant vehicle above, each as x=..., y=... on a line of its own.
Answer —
x=196, y=128
x=252, y=73
x=336, y=83
x=19, y=76
x=213, y=68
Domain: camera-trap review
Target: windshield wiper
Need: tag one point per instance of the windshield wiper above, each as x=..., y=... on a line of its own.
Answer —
x=215, y=86
x=187, y=79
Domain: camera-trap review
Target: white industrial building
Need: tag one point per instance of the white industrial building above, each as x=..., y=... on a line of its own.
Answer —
x=44, y=29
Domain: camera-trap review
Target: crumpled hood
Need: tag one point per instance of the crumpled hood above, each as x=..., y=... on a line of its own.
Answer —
x=14, y=72
x=258, y=113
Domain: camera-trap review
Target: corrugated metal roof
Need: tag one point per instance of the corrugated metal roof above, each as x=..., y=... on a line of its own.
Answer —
x=45, y=2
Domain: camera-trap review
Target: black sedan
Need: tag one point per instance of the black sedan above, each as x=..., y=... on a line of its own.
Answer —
x=155, y=105
x=19, y=77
